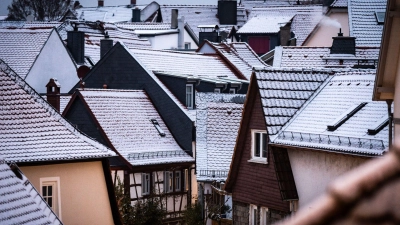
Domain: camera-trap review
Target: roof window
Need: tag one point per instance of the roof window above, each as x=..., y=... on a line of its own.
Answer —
x=345, y=116
x=380, y=17
x=157, y=126
x=378, y=126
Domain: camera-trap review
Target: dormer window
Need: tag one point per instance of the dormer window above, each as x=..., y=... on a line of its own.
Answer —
x=380, y=17
x=189, y=96
x=157, y=126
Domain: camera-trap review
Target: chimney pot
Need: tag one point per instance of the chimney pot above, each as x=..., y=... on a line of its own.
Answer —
x=104, y=86
x=340, y=34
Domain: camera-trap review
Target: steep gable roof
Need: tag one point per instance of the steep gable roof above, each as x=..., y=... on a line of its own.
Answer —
x=363, y=24
x=126, y=118
x=343, y=92
x=33, y=131
x=217, y=123
x=20, y=202
x=19, y=48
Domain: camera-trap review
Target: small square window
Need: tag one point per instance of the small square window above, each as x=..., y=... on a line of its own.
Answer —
x=259, y=148
x=146, y=184
x=187, y=45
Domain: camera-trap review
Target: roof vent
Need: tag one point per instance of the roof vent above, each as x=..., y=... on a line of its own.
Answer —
x=380, y=17
x=345, y=116
x=378, y=126
x=157, y=126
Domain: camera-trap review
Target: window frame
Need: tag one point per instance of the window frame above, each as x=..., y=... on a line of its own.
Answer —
x=263, y=141
x=264, y=216
x=146, y=184
x=168, y=181
x=187, y=45
x=177, y=181
x=56, y=196
x=189, y=95
x=253, y=215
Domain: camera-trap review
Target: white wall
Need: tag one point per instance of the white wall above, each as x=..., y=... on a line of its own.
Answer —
x=187, y=38
x=206, y=48
x=53, y=62
x=167, y=41
x=314, y=170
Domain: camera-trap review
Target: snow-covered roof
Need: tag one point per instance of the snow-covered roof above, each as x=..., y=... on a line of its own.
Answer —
x=197, y=65
x=19, y=48
x=339, y=4
x=363, y=24
x=20, y=202
x=264, y=24
x=217, y=124
x=33, y=131
x=284, y=91
x=144, y=26
x=343, y=92
x=126, y=117
x=111, y=14
x=311, y=57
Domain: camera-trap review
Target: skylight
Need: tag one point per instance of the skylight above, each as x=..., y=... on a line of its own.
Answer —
x=345, y=116
x=378, y=126
x=157, y=126
x=380, y=16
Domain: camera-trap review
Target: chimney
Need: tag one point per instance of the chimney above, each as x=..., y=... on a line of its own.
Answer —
x=133, y=2
x=174, y=18
x=343, y=45
x=181, y=34
x=285, y=34
x=53, y=93
x=136, y=14
x=227, y=12
x=76, y=45
x=100, y=3
x=105, y=45
x=209, y=32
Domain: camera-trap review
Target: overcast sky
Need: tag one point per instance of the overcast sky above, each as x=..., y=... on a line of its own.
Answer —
x=89, y=3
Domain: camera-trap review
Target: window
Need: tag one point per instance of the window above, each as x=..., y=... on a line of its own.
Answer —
x=264, y=215
x=168, y=181
x=259, y=146
x=253, y=215
x=380, y=17
x=49, y=189
x=146, y=183
x=186, y=179
x=217, y=90
x=189, y=96
x=177, y=180
x=187, y=45
x=232, y=91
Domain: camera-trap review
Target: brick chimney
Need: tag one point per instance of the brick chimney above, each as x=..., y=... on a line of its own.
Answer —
x=100, y=3
x=76, y=45
x=53, y=93
x=343, y=45
x=105, y=45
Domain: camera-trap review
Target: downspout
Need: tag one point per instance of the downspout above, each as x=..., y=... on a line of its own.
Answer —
x=390, y=115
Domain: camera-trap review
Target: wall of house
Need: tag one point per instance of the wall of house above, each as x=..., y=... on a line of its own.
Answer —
x=187, y=38
x=273, y=40
x=324, y=33
x=53, y=62
x=83, y=192
x=257, y=183
x=314, y=170
x=119, y=70
x=166, y=41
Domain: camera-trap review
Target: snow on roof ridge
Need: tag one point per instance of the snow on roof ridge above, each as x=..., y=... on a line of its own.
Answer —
x=53, y=112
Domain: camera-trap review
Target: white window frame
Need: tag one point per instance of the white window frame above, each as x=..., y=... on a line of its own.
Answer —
x=189, y=96
x=178, y=181
x=146, y=183
x=232, y=91
x=263, y=216
x=253, y=215
x=168, y=181
x=217, y=90
x=56, y=196
x=263, y=155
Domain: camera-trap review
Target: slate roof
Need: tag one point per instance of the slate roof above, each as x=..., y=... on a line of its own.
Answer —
x=362, y=21
x=264, y=24
x=33, y=131
x=344, y=91
x=217, y=123
x=20, y=203
x=124, y=116
x=339, y=4
x=205, y=66
x=284, y=91
x=20, y=47
x=311, y=57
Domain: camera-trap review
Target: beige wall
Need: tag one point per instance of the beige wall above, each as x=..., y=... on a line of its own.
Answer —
x=84, y=196
x=328, y=28
x=314, y=170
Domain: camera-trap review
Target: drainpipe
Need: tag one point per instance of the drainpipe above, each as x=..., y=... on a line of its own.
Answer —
x=390, y=115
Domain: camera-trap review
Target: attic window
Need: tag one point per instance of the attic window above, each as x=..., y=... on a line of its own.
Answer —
x=378, y=126
x=157, y=126
x=345, y=116
x=380, y=17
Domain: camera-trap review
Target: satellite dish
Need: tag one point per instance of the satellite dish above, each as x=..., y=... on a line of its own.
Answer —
x=30, y=18
x=83, y=71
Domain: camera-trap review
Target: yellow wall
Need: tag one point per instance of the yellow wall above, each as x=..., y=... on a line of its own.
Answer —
x=327, y=29
x=84, y=196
